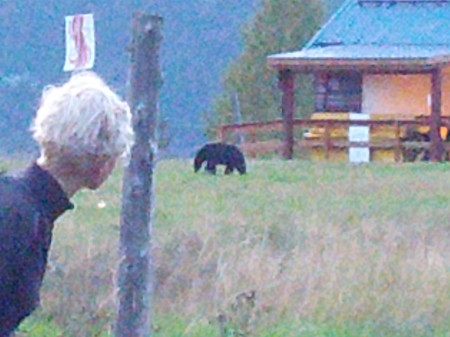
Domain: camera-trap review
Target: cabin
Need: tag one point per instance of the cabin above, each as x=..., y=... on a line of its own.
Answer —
x=381, y=71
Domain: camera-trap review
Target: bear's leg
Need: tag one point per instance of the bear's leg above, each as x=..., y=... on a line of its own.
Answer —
x=211, y=167
x=229, y=169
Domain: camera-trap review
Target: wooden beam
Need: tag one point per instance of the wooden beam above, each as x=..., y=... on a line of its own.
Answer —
x=405, y=66
x=436, y=148
x=135, y=282
x=287, y=86
x=402, y=1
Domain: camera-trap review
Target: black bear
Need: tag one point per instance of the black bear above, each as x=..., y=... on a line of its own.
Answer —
x=220, y=154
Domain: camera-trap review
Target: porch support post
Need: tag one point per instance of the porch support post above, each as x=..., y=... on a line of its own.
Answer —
x=287, y=86
x=436, y=146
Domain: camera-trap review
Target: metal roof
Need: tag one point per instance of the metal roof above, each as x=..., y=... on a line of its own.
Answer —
x=425, y=53
x=414, y=31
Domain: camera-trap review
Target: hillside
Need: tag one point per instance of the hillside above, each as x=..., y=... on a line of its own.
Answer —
x=200, y=38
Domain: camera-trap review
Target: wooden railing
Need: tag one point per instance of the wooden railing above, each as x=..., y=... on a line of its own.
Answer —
x=399, y=135
x=253, y=146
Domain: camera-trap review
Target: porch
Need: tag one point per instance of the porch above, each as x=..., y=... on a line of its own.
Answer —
x=326, y=137
x=374, y=57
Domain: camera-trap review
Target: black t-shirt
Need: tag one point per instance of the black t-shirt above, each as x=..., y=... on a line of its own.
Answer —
x=29, y=204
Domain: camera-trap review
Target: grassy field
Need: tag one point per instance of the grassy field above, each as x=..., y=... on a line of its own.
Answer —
x=291, y=249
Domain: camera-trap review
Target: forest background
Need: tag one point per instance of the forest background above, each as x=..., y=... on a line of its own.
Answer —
x=204, y=49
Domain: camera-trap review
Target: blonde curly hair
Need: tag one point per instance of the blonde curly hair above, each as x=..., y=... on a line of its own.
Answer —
x=82, y=117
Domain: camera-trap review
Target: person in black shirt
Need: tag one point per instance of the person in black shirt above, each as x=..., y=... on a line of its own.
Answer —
x=82, y=128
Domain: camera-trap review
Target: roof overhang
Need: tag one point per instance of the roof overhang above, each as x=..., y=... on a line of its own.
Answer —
x=364, y=58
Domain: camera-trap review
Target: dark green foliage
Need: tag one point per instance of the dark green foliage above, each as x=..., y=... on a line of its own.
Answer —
x=278, y=26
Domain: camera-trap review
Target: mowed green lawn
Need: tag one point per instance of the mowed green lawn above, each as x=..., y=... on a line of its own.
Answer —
x=293, y=248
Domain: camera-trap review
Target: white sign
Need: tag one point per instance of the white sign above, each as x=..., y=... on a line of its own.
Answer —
x=359, y=155
x=358, y=134
x=80, y=42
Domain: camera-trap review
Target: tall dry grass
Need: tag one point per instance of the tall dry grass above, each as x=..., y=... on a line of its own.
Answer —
x=292, y=241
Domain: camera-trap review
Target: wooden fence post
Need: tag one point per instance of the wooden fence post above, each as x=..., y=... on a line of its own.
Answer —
x=327, y=140
x=237, y=117
x=436, y=146
x=398, y=143
x=287, y=85
x=135, y=283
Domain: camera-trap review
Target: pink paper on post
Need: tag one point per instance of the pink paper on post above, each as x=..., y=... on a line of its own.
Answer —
x=80, y=42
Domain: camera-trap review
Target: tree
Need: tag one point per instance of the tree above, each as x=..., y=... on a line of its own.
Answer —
x=278, y=26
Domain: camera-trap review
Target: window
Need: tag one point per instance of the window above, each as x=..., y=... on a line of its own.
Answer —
x=338, y=91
